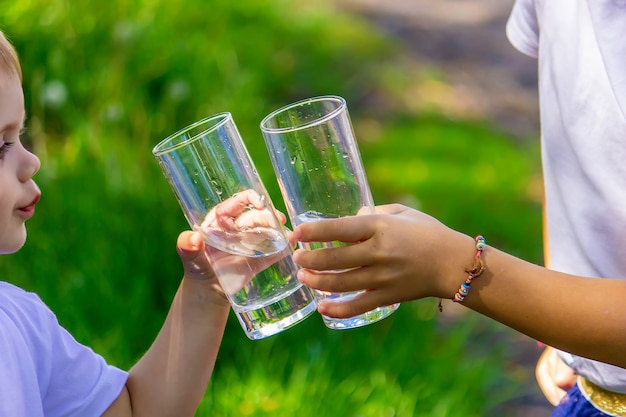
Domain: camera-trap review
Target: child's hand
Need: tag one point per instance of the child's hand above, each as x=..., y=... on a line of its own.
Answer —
x=554, y=376
x=190, y=247
x=244, y=223
x=397, y=254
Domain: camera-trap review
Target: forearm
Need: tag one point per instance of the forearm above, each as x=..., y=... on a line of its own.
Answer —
x=171, y=378
x=401, y=254
x=584, y=316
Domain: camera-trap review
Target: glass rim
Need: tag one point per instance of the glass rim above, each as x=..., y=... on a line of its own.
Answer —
x=167, y=144
x=305, y=125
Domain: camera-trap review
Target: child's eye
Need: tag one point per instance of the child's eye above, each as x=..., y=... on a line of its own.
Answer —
x=4, y=147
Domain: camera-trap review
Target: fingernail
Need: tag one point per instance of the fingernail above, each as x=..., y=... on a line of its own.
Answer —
x=196, y=241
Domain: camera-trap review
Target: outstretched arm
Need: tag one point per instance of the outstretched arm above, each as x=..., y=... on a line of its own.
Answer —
x=171, y=378
x=400, y=254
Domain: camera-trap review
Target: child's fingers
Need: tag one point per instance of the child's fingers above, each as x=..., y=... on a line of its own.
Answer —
x=352, y=280
x=344, y=229
x=195, y=262
x=255, y=218
x=349, y=229
x=292, y=240
x=362, y=304
x=189, y=242
x=281, y=217
x=342, y=257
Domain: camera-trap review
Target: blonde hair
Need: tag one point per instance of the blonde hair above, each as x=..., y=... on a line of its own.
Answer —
x=9, y=61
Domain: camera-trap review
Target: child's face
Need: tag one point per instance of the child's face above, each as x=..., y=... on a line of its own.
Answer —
x=18, y=191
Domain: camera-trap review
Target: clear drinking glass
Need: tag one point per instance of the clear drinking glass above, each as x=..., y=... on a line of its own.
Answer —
x=222, y=196
x=320, y=173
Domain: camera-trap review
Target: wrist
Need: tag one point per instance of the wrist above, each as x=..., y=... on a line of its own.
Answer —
x=459, y=258
x=205, y=291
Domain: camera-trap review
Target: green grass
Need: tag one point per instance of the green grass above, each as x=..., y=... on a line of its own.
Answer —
x=472, y=177
x=101, y=247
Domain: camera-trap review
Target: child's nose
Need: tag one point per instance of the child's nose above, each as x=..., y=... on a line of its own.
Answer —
x=29, y=166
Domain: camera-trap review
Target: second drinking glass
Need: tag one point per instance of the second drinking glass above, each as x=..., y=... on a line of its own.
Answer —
x=320, y=174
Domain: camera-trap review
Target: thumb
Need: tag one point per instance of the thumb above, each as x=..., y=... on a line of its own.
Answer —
x=190, y=248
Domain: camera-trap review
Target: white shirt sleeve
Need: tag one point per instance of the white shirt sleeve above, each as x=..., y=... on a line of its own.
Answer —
x=44, y=371
x=522, y=29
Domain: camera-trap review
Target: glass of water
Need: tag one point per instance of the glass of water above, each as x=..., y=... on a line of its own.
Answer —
x=222, y=196
x=320, y=174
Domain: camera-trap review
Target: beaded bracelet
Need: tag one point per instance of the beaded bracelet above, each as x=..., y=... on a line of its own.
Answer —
x=476, y=270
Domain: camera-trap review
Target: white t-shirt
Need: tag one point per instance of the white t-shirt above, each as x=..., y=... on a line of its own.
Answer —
x=44, y=371
x=581, y=51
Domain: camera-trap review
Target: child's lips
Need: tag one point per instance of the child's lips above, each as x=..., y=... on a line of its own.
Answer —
x=29, y=210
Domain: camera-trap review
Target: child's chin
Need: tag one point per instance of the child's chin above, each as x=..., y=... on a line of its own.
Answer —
x=12, y=245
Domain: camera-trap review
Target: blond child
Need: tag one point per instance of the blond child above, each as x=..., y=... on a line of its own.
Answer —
x=44, y=371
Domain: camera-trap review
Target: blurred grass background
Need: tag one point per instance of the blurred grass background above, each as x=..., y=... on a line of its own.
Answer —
x=105, y=81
